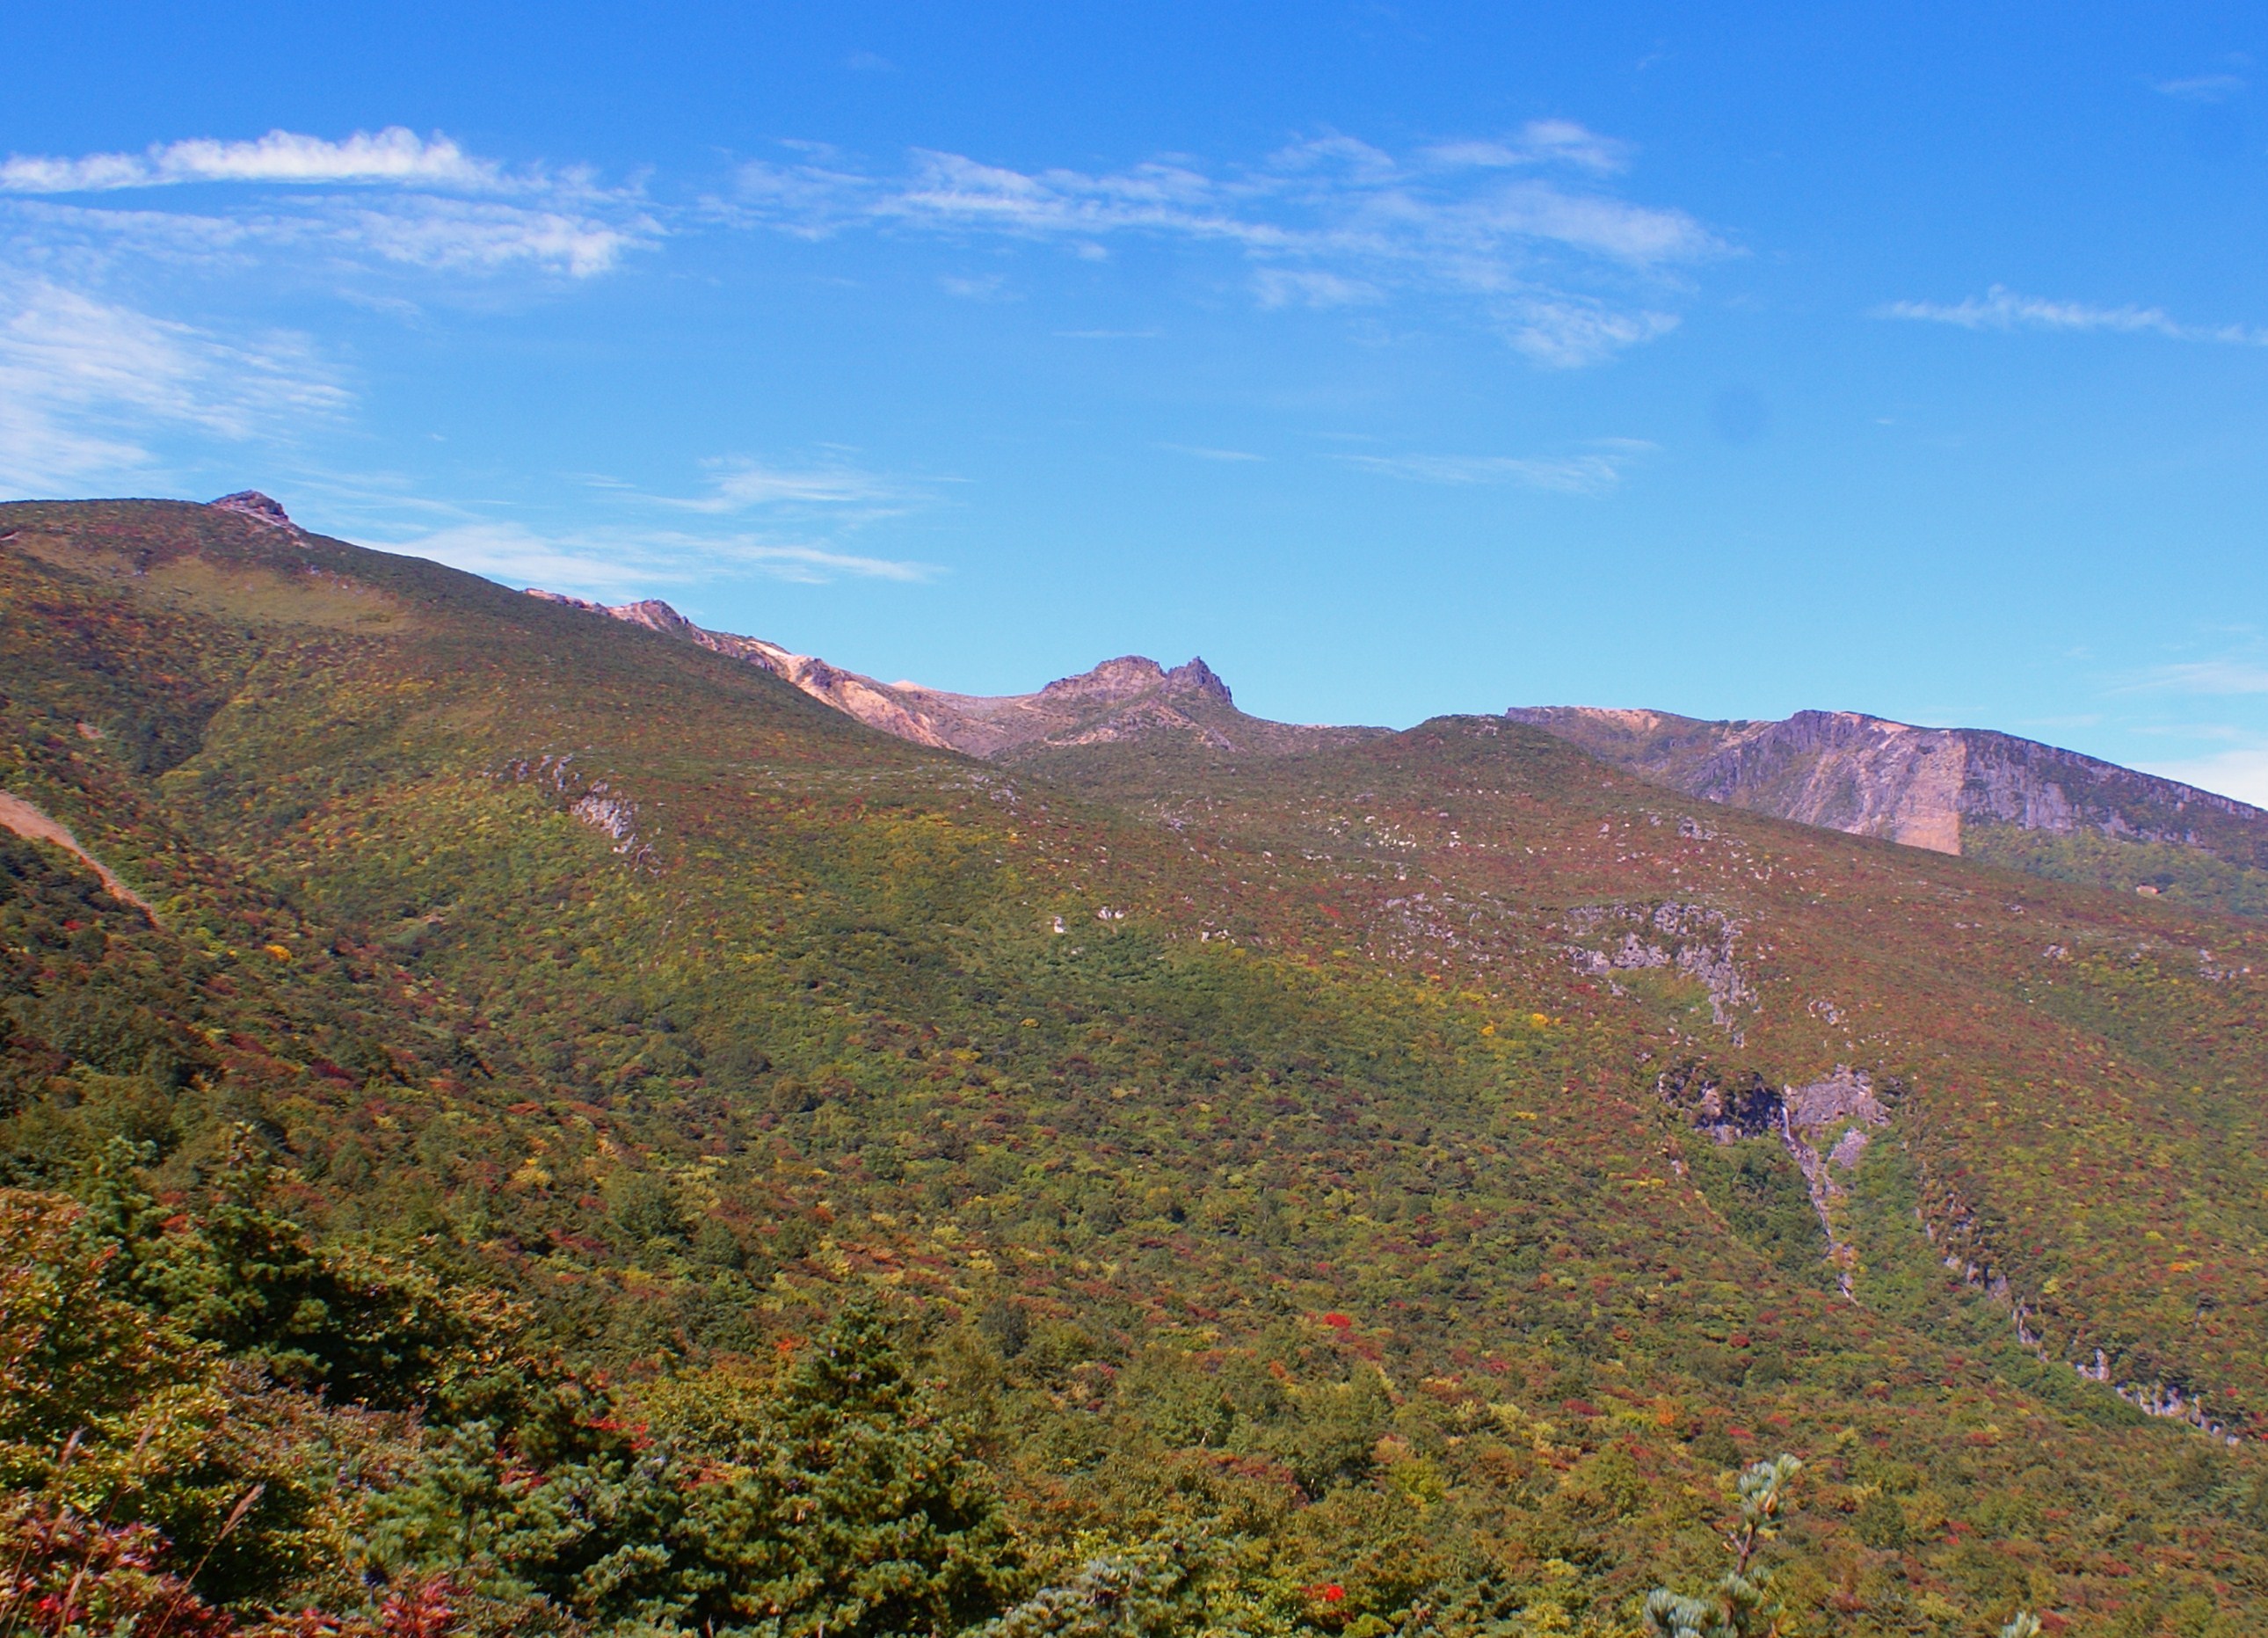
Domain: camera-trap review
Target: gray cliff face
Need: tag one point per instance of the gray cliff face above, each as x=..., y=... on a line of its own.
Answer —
x=1922, y=786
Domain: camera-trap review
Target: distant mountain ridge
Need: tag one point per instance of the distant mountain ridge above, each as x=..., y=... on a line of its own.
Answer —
x=2012, y=801
x=1128, y=699
x=1951, y=790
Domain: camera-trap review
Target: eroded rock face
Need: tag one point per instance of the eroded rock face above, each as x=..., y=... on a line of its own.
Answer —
x=1843, y=1094
x=1824, y=1125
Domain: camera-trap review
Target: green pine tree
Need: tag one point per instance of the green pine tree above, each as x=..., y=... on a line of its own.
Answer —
x=862, y=1513
x=1740, y=1605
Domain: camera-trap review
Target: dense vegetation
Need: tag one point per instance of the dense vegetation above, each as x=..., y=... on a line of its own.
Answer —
x=2187, y=876
x=590, y=1139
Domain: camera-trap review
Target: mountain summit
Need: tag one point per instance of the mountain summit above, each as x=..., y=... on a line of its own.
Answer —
x=250, y=503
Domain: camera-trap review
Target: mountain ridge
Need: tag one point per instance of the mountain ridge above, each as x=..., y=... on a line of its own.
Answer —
x=2026, y=804
x=1980, y=790
x=1129, y=697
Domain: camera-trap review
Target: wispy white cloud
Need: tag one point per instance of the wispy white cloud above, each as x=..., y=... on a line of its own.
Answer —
x=1569, y=331
x=831, y=486
x=1201, y=452
x=817, y=564
x=390, y=200
x=979, y=287
x=1524, y=226
x=86, y=384
x=2208, y=677
x=394, y=155
x=613, y=563
x=99, y=372
x=1584, y=473
x=2202, y=87
x=465, y=235
x=519, y=556
x=2242, y=773
x=1310, y=287
x=1540, y=142
x=340, y=236
x=2001, y=308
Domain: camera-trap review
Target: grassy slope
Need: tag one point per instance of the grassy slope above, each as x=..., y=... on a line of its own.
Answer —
x=1323, y=1054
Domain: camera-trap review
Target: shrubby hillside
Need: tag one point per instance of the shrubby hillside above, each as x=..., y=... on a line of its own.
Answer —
x=578, y=1136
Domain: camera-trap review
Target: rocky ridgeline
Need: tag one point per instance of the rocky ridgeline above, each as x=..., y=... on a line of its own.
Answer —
x=1125, y=700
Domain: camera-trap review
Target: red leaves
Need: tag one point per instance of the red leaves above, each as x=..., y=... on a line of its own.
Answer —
x=423, y=1609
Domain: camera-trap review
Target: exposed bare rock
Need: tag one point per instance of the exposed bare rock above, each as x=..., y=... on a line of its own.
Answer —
x=1692, y=939
x=1124, y=699
x=1727, y=1106
x=1824, y=1126
x=1842, y=1095
x=2048, y=1329
x=613, y=814
x=1921, y=787
x=260, y=508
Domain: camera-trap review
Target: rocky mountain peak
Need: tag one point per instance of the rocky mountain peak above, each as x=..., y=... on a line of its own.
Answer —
x=1130, y=677
x=1196, y=677
x=260, y=508
x=1130, y=698
x=1122, y=678
x=654, y=615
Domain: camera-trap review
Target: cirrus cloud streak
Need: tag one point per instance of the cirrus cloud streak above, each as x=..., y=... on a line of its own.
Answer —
x=85, y=383
x=2001, y=308
x=396, y=155
x=616, y=563
x=1523, y=228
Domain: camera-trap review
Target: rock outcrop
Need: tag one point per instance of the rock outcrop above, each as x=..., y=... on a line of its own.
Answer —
x=260, y=508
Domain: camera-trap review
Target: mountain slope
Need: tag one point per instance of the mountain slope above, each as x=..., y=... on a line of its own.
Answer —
x=2053, y=812
x=1417, y=1167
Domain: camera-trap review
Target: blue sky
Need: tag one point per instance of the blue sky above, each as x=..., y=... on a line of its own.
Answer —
x=1396, y=358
